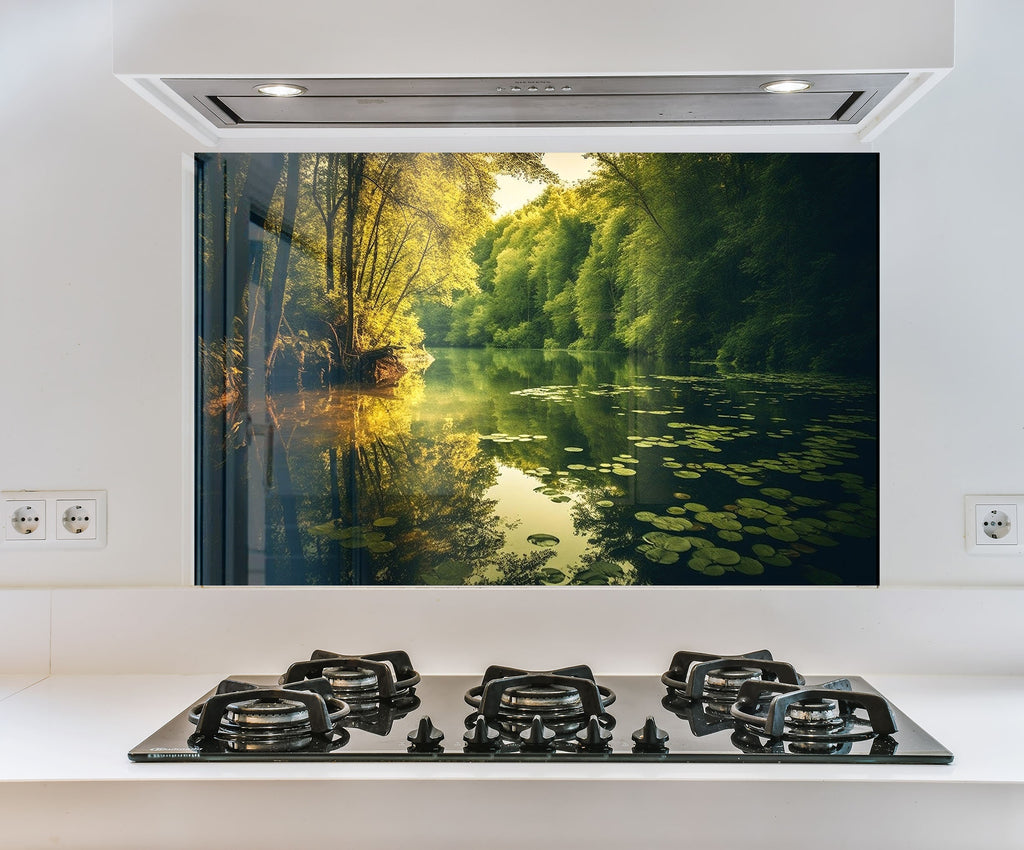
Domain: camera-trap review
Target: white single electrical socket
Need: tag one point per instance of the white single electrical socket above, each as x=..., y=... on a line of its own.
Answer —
x=24, y=519
x=76, y=519
x=54, y=519
x=991, y=525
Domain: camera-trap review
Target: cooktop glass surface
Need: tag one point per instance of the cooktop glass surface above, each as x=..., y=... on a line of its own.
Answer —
x=699, y=731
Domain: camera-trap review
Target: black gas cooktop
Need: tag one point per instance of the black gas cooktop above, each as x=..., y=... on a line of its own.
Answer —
x=704, y=708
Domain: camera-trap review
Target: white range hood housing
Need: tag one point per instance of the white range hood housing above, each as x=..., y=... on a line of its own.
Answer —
x=572, y=69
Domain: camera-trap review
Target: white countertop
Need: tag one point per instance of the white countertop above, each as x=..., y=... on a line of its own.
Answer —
x=12, y=684
x=64, y=741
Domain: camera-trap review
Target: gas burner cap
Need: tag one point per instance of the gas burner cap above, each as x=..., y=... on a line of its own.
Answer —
x=268, y=714
x=820, y=715
x=728, y=679
x=347, y=681
x=550, y=700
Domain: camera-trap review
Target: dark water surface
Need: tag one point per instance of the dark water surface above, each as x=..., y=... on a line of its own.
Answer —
x=529, y=467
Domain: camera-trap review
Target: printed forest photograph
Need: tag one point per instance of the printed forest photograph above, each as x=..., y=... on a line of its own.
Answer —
x=537, y=368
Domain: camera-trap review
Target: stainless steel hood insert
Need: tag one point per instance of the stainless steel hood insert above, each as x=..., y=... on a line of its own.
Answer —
x=592, y=101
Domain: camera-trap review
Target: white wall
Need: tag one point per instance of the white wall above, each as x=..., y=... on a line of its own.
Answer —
x=952, y=305
x=91, y=328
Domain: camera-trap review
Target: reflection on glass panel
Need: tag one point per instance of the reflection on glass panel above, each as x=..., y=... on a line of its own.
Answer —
x=585, y=369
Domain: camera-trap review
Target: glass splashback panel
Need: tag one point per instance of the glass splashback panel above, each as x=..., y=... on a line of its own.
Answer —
x=550, y=369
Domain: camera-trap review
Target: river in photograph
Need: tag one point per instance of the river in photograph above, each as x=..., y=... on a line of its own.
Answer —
x=555, y=467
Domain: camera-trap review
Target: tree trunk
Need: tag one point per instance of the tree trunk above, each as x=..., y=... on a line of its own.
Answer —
x=329, y=261
x=275, y=303
x=356, y=163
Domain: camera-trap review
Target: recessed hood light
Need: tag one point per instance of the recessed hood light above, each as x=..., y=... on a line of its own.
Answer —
x=786, y=86
x=280, y=89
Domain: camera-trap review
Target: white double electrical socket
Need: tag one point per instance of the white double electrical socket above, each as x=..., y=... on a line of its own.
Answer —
x=991, y=525
x=53, y=519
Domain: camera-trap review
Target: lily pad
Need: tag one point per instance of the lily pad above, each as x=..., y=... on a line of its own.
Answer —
x=334, y=530
x=676, y=544
x=730, y=536
x=545, y=541
x=645, y=516
x=551, y=575
x=725, y=557
x=714, y=570
x=605, y=503
x=573, y=449
x=807, y=502
x=607, y=568
x=783, y=533
x=749, y=567
x=763, y=550
x=672, y=523
x=661, y=556
x=756, y=504
x=385, y=521
x=624, y=471
x=449, y=572
x=380, y=547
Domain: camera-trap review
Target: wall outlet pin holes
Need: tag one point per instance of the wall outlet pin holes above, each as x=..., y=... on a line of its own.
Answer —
x=995, y=523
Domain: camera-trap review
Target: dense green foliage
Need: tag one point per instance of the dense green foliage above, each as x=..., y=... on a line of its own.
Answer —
x=759, y=261
x=323, y=257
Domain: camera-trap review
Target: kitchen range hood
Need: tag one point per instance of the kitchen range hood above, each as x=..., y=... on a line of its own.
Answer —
x=536, y=101
x=674, y=66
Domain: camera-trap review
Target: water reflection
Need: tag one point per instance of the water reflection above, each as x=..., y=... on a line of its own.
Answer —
x=465, y=474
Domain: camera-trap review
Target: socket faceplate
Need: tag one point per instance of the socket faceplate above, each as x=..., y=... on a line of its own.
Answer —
x=991, y=525
x=51, y=517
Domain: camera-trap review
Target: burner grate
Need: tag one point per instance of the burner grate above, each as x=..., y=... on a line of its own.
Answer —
x=718, y=678
x=246, y=717
x=825, y=713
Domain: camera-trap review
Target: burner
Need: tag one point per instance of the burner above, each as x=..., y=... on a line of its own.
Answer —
x=244, y=717
x=364, y=681
x=563, y=699
x=820, y=716
x=549, y=701
x=717, y=679
x=813, y=717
